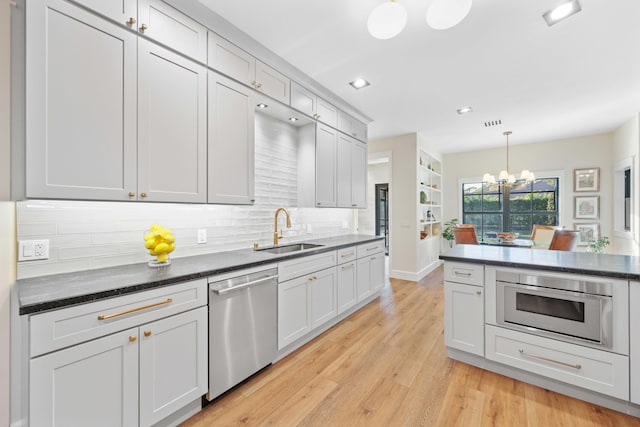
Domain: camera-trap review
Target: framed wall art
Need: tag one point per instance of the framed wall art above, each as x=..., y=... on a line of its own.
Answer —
x=586, y=207
x=588, y=232
x=586, y=179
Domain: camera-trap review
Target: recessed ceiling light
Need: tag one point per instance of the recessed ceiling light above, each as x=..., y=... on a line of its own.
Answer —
x=464, y=110
x=359, y=83
x=293, y=119
x=262, y=105
x=561, y=12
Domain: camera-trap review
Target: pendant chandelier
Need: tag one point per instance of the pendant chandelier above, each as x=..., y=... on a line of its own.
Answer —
x=505, y=178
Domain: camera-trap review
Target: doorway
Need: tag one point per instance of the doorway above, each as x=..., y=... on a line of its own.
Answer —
x=382, y=214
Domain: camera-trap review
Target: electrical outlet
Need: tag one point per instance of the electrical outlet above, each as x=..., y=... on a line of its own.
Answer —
x=30, y=250
x=202, y=236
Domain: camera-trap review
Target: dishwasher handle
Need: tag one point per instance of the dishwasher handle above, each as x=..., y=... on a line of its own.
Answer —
x=243, y=286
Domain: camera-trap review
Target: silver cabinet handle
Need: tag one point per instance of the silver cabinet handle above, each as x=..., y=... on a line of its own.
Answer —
x=346, y=255
x=458, y=273
x=347, y=266
x=568, y=365
x=243, y=286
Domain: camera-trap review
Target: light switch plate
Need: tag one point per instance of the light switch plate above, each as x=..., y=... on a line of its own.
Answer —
x=30, y=250
x=202, y=236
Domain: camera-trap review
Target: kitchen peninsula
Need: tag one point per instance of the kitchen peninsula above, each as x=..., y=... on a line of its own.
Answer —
x=564, y=321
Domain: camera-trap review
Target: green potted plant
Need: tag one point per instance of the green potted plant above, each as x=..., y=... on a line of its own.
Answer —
x=447, y=233
x=597, y=246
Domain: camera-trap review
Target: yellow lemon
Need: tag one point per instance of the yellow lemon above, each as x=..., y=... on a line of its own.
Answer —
x=162, y=248
x=163, y=258
x=150, y=244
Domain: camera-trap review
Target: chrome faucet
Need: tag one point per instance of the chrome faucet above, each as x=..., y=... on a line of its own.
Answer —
x=275, y=225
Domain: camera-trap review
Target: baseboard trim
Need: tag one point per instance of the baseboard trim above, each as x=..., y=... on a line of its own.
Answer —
x=414, y=277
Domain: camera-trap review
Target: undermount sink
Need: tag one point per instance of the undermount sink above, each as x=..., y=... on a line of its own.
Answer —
x=290, y=248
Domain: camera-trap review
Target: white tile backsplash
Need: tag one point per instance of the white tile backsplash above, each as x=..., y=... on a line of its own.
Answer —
x=89, y=235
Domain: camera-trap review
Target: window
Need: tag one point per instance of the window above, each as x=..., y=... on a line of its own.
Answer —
x=492, y=208
x=623, y=203
x=627, y=199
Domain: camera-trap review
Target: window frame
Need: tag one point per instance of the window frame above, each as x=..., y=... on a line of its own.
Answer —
x=563, y=190
x=618, y=198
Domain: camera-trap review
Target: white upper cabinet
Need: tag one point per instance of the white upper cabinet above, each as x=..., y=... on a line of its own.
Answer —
x=80, y=105
x=351, y=173
x=229, y=59
x=306, y=101
x=231, y=141
x=163, y=23
x=325, y=179
x=352, y=126
x=172, y=126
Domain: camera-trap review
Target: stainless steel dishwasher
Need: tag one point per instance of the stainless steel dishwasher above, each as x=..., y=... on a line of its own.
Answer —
x=243, y=330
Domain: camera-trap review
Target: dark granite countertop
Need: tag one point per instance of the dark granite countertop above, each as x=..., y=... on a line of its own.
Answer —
x=61, y=290
x=619, y=266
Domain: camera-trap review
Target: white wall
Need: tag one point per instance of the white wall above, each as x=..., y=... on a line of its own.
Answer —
x=402, y=190
x=560, y=155
x=89, y=235
x=626, y=145
x=7, y=217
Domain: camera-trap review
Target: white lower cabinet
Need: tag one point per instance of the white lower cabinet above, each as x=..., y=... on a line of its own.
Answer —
x=305, y=303
x=370, y=275
x=90, y=384
x=634, y=344
x=464, y=317
x=135, y=376
x=597, y=370
x=347, y=281
x=173, y=364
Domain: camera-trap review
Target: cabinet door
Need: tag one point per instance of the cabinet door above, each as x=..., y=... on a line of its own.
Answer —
x=231, y=142
x=230, y=60
x=172, y=28
x=343, y=172
x=272, y=83
x=324, y=301
x=326, y=142
x=293, y=311
x=80, y=105
x=345, y=123
x=364, y=278
x=327, y=113
x=377, y=276
x=359, y=130
x=118, y=10
x=634, y=333
x=172, y=114
x=358, y=174
x=303, y=100
x=173, y=364
x=464, y=317
x=347, y=293
x=90, y=384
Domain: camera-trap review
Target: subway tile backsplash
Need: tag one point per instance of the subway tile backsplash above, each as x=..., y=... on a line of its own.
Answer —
x=89, y=235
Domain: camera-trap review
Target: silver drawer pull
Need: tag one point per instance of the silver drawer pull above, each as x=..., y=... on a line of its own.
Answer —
x=458, y=273
x=372, y=249
x=346, y=255
x=133, y=310
x=346, y=266
x=568, y=365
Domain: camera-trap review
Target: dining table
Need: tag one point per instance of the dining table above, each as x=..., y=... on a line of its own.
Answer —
x=516, y=243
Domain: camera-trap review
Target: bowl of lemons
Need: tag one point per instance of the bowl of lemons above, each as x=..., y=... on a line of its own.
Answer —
x=160, y=242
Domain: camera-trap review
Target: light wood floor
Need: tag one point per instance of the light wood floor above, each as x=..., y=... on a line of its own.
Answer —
x=387, y=366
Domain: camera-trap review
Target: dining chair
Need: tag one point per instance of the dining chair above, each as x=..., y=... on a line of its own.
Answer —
x=564, y=240
x=541, y=235
x=465, y=234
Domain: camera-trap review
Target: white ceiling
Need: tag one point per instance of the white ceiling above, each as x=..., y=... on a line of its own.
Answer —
x=579, y=77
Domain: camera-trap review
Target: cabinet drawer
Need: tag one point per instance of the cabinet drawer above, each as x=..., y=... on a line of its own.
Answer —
x=370, y=248
x=470, y=274
x=346, y=254
x=596, y=370
x=300, y=266
x=61, y=328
